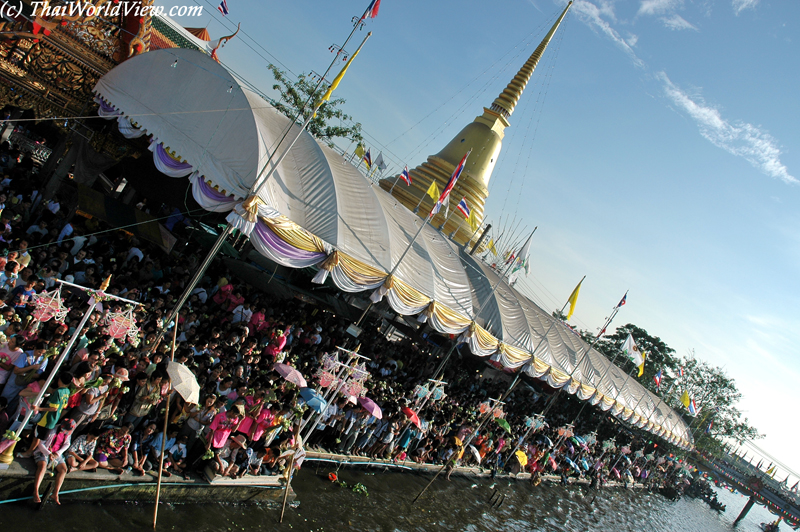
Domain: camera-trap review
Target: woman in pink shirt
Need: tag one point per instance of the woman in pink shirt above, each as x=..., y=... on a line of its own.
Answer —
x=222, y=295
x=264, y=422
x=277, y=344
x=235, y=300
x=257, y=320
x=224, y=423
x=254, y=404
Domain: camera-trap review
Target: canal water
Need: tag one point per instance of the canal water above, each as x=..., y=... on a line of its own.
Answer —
x=459, y=505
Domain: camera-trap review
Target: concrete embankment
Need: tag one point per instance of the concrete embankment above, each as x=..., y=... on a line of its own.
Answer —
x=16, y=484
x=337, y=460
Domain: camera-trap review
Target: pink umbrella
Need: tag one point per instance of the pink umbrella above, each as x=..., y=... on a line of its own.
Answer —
x=290, y=374
x=370, y=406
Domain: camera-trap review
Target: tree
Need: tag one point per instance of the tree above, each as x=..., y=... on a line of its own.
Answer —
x=295, y=94
x=714, y=392
x=659, y=354
x=715, y=395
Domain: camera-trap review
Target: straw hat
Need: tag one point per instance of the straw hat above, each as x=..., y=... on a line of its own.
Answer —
x=239, y=441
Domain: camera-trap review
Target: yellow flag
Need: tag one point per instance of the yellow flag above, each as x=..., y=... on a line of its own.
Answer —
x=360, y=151
x=336, y=80
x=433, y=191
x=473, y=220
x=641, y=368
x=573, y=299
x=491, y=247
x=685, y=399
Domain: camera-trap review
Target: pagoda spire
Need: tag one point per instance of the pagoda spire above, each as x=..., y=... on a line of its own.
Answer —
x=505, y=103
x=483, y=137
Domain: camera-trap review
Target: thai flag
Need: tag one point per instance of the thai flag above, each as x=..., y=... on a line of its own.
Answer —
x=657, y=377
x=368, y=159
x=372, y=10
x=708, y=428
x=450, y=184
x=462, y=206
x=623, y=300
x=680, y=371
x=692, y=408
x=405, y=177
x=223, y=7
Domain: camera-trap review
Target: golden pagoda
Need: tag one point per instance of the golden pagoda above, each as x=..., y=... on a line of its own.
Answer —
x=484, y=136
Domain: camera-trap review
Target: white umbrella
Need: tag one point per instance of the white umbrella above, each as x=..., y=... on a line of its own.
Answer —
x=184, y=382
x=475, y=452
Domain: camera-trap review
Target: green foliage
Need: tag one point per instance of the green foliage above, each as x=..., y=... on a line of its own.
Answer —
x=359, y=488
x=300, y=94
x=714, y=392
x=717, y=394
x=659, y=354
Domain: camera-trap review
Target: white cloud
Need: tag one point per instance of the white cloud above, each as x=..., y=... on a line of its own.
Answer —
x=592, y=15
x=676, y=22
x=531, y=2
x=741, y=139
x=659, y=7
x=606, y=8
x=741, y=5
x=632, y=40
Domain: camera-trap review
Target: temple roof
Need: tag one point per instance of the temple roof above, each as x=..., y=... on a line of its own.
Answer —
x=200, y=33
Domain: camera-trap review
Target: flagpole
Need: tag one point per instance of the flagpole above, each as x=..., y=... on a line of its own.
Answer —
x=411, y=244
x=608, y=368
x=416, y=209
x=449, y=215
x=395, y=184
x=397, y=264
x=478, y=313
x=354, y=154
x=461, y=223
x=476, y=232
x=344, y=154
x=607, y=323
x=254, y=190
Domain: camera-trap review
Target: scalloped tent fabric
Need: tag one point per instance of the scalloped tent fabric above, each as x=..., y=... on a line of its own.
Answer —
x=317, y=209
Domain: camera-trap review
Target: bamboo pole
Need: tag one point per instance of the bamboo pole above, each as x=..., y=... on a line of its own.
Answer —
x=288, y=482
x=164, y=434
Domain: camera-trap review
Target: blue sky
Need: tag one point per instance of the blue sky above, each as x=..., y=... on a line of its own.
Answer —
x=656, y=148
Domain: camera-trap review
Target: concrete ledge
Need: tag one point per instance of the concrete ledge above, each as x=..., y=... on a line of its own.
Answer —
x=473, y=472
x=17, y=481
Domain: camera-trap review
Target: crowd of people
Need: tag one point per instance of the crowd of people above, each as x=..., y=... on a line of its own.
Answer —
x=105, y=405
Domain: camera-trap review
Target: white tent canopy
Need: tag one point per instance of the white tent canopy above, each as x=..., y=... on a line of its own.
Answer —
x=316, y=208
